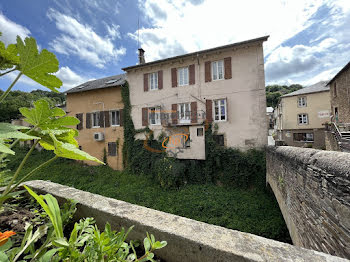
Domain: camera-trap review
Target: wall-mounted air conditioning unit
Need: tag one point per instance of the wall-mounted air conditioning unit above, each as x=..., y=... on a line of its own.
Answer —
x=99, y=136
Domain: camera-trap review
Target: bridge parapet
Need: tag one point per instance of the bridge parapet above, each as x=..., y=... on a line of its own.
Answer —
x=312, y=188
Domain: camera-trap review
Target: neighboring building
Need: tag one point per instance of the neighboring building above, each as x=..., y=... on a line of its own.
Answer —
x=98, y=105
x=340, y=95
x=223, y=85
x=301, y=115
x=270, y=125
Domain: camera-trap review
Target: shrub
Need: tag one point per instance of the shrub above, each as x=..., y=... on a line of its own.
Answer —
x=170, y=172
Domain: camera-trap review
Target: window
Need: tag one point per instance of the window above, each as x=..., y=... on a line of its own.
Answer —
x=186, y=143
x=335, y=89
x=220, y=110
x=303, y=137
x=153, y=81
x=115, y=118
x=217, y=70
x=183, y=76
x=302, y=101
x=112, y=148
x=303, y=119
x=200, y=131
x=95, y=119
x=219, y=140
x=184, y=112
x=154, y=115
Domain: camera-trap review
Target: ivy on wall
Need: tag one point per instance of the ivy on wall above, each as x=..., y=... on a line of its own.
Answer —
x=227, y=166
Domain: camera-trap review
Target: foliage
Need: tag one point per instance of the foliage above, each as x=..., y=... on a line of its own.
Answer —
x=16, y=99
x=253, y=209
x=85, y=242
x=274, y=92
x=169, y=172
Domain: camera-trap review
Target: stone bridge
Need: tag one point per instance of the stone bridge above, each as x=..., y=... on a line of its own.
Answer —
x=312, y=188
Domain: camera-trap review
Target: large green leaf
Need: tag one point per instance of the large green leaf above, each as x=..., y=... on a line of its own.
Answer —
x=10, y=131
x=38, y=66
x=39, y=115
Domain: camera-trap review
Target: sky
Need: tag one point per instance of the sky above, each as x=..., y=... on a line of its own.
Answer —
x=309, y=39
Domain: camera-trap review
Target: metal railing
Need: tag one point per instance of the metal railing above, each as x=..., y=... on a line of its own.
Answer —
x=338, y=129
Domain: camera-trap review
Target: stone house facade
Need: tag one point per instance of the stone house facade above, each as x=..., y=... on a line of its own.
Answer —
x=181, y=95
x=98, y=105
x=301, y=115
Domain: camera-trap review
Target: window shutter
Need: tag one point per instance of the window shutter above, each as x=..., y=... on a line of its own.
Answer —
x=101, y=121
x=174, y=113
x=121, y=117
x=88, y=120
x=209, y=110
x=106, y=116
x=193, y=112
x=207, y=71
x=173, y=77
x=144, y=116
x=228, y=68
x=160, y=79
x=192, y=79
x=80, y=117
x=145, y=82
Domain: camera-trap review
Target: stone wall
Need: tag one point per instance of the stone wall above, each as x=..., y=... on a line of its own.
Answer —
x=330, y=142
x=312, y=188
x=188, y=240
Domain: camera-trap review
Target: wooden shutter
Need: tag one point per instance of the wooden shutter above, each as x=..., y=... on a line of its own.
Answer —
x=192, y=79
x=207, y=71
x=174, y=113
x=193, y=112
x=106, y=116
x=88, y=120
x=144, y=116
x=112, y=149
x=173, y=77
x=160, y=79
x=121, y=117
x=209, y=110
x=145, y=82
x=80, y=117
x=228, y=68
x=101, y=121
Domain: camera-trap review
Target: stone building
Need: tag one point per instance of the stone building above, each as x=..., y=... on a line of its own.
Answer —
x=180, y=95
x=301, y=115
x=98, y=105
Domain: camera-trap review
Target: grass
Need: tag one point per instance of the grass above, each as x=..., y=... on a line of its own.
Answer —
x=251, y=210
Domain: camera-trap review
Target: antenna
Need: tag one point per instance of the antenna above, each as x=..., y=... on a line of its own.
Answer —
x=138, y=29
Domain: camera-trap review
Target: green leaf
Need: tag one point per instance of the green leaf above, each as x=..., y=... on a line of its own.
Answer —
x=159, y=245
x=3, y=257
x=146, y=244
x=49, y=254
x=10, y=131
x=4, y=148
x=6, y=246
x=60, y=242
x=38, y=66
x=8, y=56
x=58, y=112
x=39, y=115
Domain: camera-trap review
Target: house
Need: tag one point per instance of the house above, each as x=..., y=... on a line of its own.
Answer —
x=338, y=132
x=180, y=96
x=301, y=115
x=98, y=105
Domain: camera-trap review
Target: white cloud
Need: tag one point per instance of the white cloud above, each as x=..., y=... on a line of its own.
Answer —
x=10, y=30
x=179, y=26
x=82, y=41
x=69, y=78
x=22, y=80
x=323, y=76
x=113, y=31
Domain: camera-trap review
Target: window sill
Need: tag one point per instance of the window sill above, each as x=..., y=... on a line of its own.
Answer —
x=217, y=79
x=154, y=124
x=153, y=89
x=184, y=85
x=96, y=127
x=220, y=120
x=115, y=125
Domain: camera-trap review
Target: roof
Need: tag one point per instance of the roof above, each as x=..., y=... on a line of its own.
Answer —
x=264, y=38
x=106, y=82
x=315, y=88
x=341, y=71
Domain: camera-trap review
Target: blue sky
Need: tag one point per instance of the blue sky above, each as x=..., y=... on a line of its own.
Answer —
x=309, y=40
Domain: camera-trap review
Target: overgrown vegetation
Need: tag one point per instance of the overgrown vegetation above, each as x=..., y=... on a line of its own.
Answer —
x=274, y=92
x=252, y=209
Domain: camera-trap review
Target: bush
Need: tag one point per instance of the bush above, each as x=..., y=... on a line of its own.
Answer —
x=170, y=172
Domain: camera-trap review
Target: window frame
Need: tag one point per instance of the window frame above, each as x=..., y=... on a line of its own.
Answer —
x=302, y=118
x=98, y=119
x=219, y=105
x=116, y=149
x=111, y=116
x=184, y=120
x=178, y=76
x=304, y=135
x=153, y=76
x=156, y=111
x=217, y=139
x=217, y=70
x=304, y=99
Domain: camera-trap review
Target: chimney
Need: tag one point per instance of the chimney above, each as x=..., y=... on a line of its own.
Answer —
x=141, y=56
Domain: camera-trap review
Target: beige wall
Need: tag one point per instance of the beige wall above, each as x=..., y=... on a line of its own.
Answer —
x=245, y=93
x=87, y=102
x=316, y=102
